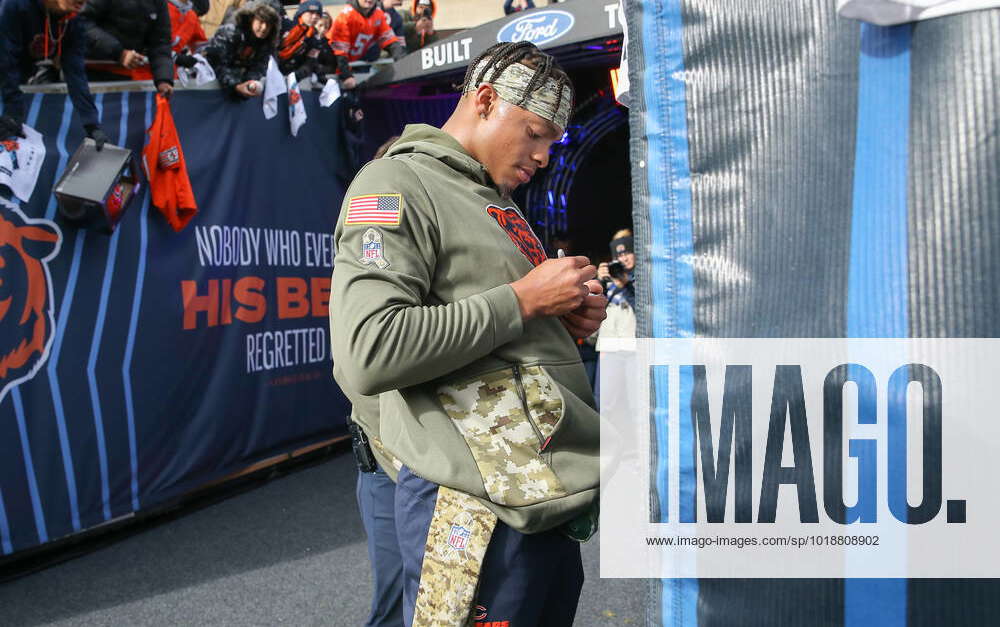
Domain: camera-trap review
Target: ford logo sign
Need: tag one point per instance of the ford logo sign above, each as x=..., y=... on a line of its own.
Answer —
x=538, y=27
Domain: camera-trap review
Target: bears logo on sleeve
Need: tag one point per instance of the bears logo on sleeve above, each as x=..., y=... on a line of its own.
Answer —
x=519, y=232
x=26, y=321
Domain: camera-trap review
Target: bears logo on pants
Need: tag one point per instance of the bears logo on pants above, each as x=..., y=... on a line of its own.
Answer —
x=26, y=322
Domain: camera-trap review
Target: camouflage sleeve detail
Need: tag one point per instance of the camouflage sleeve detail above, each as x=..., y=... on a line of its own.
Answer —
x=384, y=335
x=460, y=531
x=506, y=442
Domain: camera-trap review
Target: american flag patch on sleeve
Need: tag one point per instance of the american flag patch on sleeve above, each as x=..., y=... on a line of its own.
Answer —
x=386, y=209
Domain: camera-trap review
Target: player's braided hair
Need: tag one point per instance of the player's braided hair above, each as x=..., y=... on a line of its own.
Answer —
x=503, y=54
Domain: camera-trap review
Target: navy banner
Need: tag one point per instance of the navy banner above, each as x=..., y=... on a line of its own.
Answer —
x=138, y=366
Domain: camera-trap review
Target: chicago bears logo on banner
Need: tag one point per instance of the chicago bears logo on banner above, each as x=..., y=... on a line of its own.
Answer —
x=26, y=322
x=519, y=232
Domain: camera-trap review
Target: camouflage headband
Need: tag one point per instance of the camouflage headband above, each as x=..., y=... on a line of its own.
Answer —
x=512, y=83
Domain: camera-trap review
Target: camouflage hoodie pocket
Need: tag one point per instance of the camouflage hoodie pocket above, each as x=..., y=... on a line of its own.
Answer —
x=508, y=417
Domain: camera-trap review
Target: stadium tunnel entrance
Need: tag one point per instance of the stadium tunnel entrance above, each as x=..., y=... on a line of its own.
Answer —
x=585, y=193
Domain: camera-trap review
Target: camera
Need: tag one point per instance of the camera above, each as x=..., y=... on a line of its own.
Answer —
x=617, y=270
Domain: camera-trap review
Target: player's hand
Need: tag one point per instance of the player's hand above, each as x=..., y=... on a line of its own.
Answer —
x=131, y=59
x=553, y=288
x=586, y=319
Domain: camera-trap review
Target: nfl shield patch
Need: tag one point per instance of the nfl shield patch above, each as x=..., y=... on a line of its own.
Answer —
x=372, y=250
x=459, y=537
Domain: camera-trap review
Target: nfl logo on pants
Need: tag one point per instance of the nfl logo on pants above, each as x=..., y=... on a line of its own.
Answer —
x=459, y=538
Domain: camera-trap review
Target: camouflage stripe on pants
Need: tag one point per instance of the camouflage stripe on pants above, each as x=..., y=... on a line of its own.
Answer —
x=459, y=534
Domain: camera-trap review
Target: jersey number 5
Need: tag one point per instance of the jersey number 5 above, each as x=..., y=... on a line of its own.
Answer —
x=360, y=44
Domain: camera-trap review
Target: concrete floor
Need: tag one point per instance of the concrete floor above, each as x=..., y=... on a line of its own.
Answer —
x=291, y=551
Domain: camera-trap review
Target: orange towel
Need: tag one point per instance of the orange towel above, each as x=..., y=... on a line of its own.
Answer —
x=167, y=170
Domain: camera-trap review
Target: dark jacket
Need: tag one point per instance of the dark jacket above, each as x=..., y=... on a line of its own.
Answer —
x=395, y=21
x=236, y=54
x=141, y=25
x=22, y=27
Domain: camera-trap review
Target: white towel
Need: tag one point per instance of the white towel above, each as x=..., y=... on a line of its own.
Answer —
x=296, y=108
x=330, y=93
x=21, y=160
x=199, y=75
x=274, y=86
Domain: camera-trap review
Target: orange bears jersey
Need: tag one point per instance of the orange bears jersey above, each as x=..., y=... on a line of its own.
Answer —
x=185, y=29
x=166, y=169
x=352, y=34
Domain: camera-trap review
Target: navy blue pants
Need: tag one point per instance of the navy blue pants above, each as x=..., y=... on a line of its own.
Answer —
x=526, y=580
x=376, y=497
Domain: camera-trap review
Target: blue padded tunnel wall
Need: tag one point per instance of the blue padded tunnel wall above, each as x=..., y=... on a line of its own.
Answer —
x=804, y=175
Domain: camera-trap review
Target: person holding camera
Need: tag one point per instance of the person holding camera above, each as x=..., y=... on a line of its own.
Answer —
x=617, y=274
x=619, y=284
x=418, y=25
x=37, y=40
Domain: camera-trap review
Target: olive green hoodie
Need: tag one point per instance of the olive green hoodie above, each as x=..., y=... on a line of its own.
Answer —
x=429, y=344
